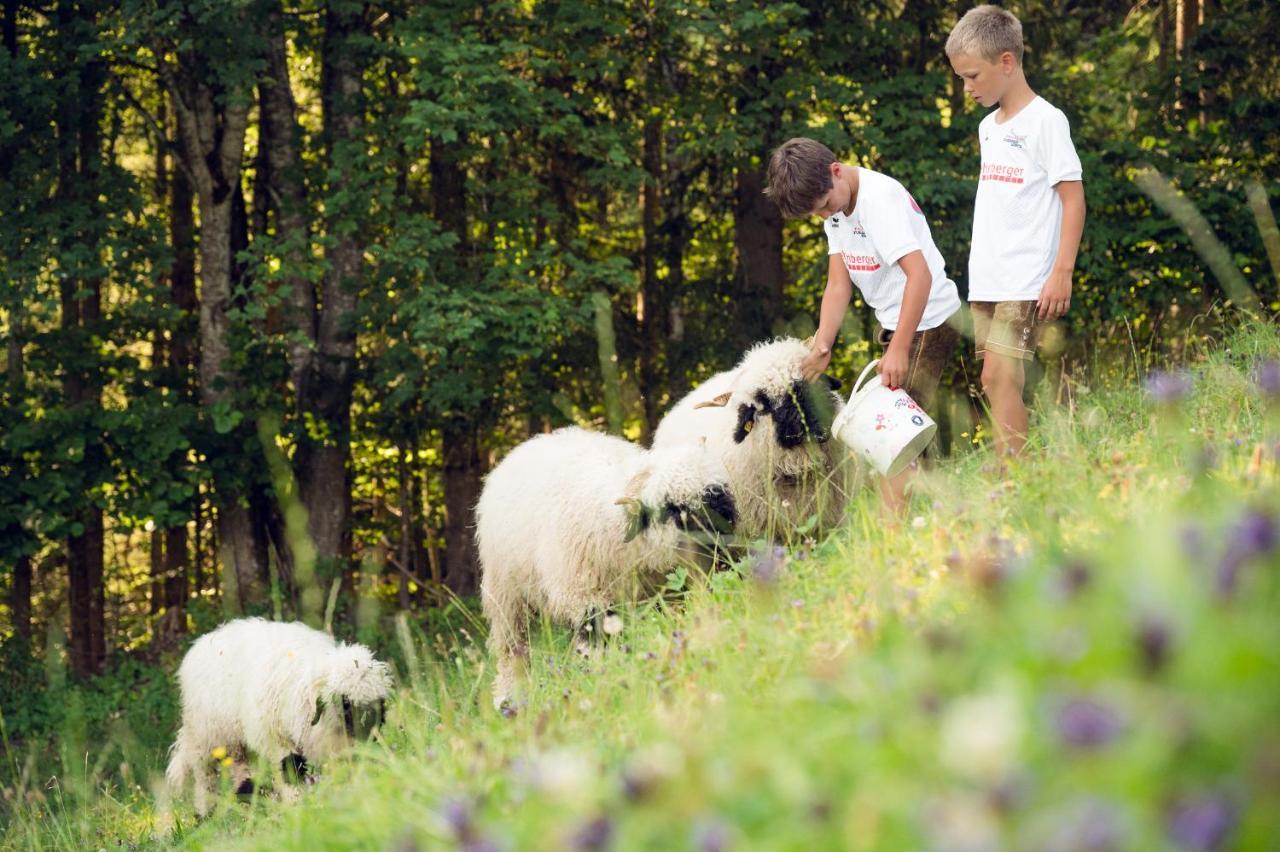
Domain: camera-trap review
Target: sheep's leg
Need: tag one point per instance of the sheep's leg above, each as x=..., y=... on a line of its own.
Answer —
x=509, y=646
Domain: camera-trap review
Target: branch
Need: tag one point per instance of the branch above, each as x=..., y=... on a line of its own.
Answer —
x=161, y=136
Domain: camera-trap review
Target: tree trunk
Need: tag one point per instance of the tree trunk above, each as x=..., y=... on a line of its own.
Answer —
x=182, y=362
x=78, y=173
x=212, y=130
x=462, y=475
x=653, y=299
x=20, y=597
x=324, y=476
x=156, y=564
x=758, y=235
x=175, y=584
x=280, y=140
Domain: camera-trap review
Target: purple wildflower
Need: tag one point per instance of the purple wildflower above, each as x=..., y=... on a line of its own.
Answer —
x=1201, y=822
x=1167, y=388
x=593, y=835
x=1085, y=825
x=456, y=814
x=479, y=844
x=767, y=565
x=1191, y=537
x=711, y=836
x=1087, y=724
x=1255, y=535
x=1266, y=377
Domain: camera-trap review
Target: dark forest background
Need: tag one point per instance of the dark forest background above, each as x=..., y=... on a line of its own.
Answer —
x=279, y=282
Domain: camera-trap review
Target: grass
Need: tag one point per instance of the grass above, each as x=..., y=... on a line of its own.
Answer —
x=1083, y=655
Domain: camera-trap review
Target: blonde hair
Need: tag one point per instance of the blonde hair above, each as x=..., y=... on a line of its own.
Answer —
x=987, y=32
x=799, y=175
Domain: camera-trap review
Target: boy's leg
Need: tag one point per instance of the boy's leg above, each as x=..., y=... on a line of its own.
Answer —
x=1005, y=334
x=1003, y=378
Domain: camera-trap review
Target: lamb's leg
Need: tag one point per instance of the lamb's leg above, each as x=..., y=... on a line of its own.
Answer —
x=594, y=629
x=204, y=785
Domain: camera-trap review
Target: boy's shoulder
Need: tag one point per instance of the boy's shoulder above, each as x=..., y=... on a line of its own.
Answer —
x=880, y=185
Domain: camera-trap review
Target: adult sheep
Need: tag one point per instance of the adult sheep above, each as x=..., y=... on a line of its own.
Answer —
x=286, y=692
x=772, y=430
x=572, y=522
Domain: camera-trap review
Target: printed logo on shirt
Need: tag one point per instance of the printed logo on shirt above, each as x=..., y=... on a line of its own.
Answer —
x=858, y=230
x=861, y=262
x=1014, y=140
x=1004, y=174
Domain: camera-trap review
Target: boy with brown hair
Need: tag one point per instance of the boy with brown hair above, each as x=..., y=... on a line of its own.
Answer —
x=1028, y=213
x=878, y=239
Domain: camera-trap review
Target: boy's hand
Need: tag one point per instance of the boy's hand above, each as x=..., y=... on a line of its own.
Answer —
x=893, y=366
x=1055, y=297
x=816, y=361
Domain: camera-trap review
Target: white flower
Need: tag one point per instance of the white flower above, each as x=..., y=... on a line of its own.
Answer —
x=981, y=735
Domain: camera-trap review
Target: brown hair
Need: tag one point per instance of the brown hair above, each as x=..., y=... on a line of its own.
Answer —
x=799, y=175
x=986, y=32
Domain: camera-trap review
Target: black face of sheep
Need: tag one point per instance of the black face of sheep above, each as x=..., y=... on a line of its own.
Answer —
x=714, y=513
x=804, y=413
x=358, y=720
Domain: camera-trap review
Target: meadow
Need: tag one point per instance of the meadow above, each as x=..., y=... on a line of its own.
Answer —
x=1083, y=653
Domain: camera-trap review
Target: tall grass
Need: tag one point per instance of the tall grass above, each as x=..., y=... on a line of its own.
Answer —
x=1082, y=652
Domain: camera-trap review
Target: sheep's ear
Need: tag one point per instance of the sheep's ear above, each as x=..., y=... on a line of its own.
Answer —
x=637, y=517
x=315, y=720
x=746, y=422
x=632, y=491
x=832, y=382
x=719, y=401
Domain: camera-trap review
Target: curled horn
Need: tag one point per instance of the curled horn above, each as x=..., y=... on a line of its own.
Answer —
x=719, y=401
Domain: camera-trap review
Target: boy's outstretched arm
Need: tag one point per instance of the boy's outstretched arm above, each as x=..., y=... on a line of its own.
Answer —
x=1055, y=297
x=835, y=301
x=896, y=361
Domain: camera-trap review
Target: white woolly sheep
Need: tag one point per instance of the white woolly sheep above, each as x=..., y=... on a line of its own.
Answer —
x=772, y=430
x=574, y=521
x=286, y=692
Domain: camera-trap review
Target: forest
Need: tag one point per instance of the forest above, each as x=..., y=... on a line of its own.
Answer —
x=280, y=282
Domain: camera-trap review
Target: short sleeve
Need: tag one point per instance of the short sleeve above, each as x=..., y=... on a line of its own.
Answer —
x=1056, y=152
x=830, y=230
x=891, y=229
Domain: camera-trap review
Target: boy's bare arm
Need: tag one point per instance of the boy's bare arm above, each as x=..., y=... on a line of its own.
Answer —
x=1055, y=296
x=896, y=361
x=835, y=301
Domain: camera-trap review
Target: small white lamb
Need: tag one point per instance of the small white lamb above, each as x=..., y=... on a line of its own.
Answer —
x=574, y=521
x=287, y=692
x=772, y=431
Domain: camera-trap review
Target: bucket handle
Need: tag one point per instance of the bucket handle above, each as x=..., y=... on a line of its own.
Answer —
x=857, y=386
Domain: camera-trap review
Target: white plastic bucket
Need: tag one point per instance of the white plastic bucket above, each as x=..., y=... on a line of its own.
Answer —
x=885, y=427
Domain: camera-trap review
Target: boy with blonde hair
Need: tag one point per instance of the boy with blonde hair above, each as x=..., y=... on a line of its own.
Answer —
x=1028, y=213
x=878, y=239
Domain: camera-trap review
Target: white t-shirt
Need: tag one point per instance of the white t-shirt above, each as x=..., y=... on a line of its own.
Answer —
x=1017, y=215
x=885, y=226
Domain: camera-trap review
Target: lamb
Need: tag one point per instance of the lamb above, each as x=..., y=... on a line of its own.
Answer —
x=574, y=521
x=287, y=692
x=772, y=431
